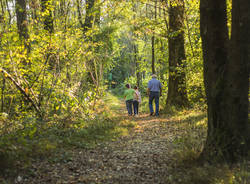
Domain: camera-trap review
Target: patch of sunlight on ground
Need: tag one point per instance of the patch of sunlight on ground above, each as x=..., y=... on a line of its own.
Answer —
x=113, y=102
x=202, y=123
x=122, y=131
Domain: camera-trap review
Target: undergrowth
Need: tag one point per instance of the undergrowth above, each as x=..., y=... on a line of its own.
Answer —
x=23, y=141
x=188, y=168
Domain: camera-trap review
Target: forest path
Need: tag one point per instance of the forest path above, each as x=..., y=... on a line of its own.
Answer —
x=142, y=156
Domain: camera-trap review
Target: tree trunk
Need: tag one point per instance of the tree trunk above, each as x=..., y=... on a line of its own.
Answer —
x=21, y=15
x=78, y=3
x=137, y=66
x=153, y=43
x=92, y=17
x=2, y=95
x=48, y=18
x=89, y=17
x=226, y=78
x=135, y=49
x=153, y=54
x=177, y=93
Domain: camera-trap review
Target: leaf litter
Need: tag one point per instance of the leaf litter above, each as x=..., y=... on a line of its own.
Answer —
x=143, y=156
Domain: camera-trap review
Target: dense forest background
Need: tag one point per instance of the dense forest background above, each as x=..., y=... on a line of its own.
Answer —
x=59, y=58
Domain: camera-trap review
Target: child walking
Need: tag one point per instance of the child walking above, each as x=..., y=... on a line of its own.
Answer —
x=129, y=96
x=137, y=101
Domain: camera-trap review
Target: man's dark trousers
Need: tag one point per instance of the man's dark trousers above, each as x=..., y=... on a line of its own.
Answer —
x=154, y=95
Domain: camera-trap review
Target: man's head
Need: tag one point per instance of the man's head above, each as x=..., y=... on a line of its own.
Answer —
x=154, y=76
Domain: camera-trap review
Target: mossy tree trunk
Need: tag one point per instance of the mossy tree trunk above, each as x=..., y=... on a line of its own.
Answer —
x=226, y=77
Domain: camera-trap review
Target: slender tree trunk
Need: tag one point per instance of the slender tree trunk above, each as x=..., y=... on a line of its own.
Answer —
x=135, y=50
x=92, y=17
x=153, y=42
x=22, y=23
x=177, y=93
x=2, y=8
x=153, y=54
x=34, y=9
x=2, y=95
x=98, y=13
x=78, y=3
x=88, y=23
x=8, y=9
x=48, y=18
x=137, y=66
x=226, y=77
x=46, y=8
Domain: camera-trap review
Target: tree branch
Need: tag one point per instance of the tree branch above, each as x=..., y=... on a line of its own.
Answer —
x=8, y=76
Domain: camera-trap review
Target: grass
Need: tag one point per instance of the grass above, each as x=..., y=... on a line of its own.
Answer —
x=29, y=140
x=187, y=147
x=21, y=143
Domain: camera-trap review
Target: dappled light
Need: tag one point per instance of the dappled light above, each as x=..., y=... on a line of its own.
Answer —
x=124, y=92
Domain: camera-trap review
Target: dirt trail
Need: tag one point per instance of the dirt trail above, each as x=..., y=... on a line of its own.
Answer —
x=142, y=157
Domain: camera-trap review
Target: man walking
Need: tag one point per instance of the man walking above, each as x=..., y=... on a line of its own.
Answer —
x=154, y=92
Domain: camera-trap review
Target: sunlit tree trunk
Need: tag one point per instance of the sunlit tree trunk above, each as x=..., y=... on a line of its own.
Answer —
x=177, y=93
x=226, y=77
x=135, y=50
x=48, y=18
x=89, y=17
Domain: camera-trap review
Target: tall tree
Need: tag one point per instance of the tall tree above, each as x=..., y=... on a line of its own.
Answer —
x=135, y=49
x=92, y=18
x=177, y=93
x=153, y=40
x=48, y=18
x=89, y=17
x=22, y=23
x=226, y=77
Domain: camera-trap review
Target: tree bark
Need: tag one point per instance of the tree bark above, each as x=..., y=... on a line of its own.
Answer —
x=92, y=18
x=137, y=65
x=153, y=54
x=89, y=15
x=78, y=3
x=153, y=42
x=48, y=18
x=2, y=95
x=177, y=93
x=22, y=23
x=226, y=78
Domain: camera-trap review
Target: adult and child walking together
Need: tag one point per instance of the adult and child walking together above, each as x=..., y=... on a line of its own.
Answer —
x=133, y=97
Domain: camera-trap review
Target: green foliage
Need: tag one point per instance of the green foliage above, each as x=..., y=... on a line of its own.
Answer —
x=65, y=73
x=27, y=139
